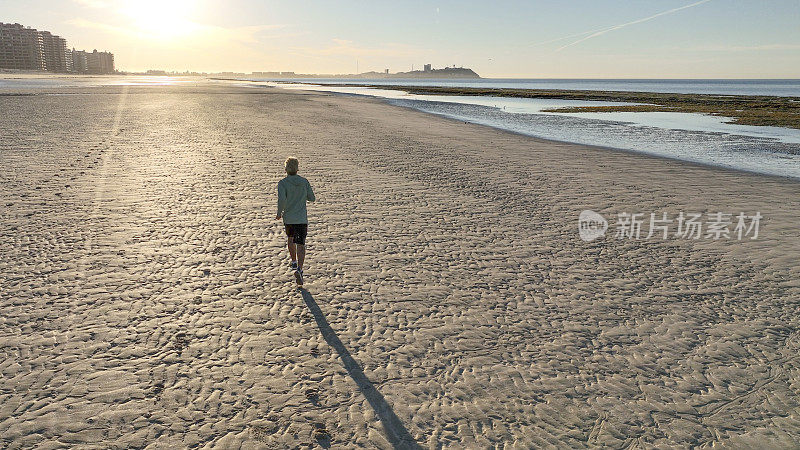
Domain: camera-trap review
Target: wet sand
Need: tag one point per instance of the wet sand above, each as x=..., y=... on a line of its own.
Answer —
x=146, y=296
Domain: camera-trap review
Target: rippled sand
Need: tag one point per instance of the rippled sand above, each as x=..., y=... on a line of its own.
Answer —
x=146, y=297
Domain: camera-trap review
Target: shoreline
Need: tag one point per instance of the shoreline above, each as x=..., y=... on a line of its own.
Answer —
x=544, y=139
x=615, y=149
x=770, y=110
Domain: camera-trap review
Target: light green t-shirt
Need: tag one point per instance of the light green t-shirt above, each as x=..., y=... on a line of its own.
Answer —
x=293, y=193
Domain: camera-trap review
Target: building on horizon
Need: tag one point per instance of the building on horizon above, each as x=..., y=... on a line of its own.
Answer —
x=426, y=68
x=25, y=48
x=99, y=62
x=230, y=74
x=55, y=52
x=79, y=61
x=21, y=48
x=96, y=63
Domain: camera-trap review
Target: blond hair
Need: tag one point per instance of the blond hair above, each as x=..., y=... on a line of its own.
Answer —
x=291, y=165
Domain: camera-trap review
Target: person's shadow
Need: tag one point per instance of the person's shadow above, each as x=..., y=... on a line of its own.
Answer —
x=396, y=432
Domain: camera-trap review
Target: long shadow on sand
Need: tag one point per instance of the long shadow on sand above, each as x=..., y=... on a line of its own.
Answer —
x=396, y=432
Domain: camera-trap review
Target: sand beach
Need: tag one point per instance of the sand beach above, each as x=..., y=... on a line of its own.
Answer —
x=146, y=299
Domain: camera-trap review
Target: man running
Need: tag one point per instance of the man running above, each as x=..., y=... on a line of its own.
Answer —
x=293, y=193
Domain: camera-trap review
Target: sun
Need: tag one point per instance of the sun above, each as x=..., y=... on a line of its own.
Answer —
x=161, y=19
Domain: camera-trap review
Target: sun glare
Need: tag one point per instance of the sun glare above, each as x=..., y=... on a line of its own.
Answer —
x=162, y=19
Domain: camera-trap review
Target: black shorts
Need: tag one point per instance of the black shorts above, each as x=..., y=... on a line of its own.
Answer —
x=297, y=231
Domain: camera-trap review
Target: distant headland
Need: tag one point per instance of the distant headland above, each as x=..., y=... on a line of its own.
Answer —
x=426, y=72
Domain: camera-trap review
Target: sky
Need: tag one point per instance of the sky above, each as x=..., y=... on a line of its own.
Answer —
x=499, y=38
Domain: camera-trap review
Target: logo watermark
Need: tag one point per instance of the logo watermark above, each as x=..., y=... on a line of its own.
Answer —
x=715, y=226
x=591, y=225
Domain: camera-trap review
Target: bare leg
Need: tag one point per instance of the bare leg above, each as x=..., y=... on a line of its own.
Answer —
x=301, y=255
x=290, y=245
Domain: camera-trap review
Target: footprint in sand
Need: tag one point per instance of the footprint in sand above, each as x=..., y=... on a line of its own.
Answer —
x=181, y=341
x=322, y=435
x=306, y=318
x=156, y=389
x=312, y=394
x=263, y=429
